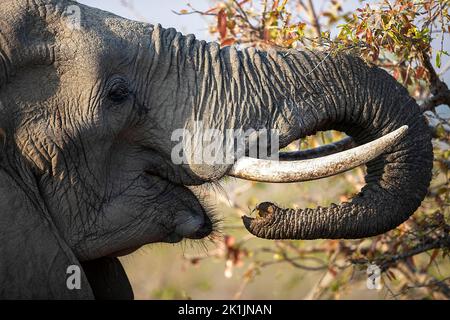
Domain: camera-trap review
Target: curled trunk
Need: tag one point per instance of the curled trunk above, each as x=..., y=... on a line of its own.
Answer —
x=299, y=94
x=343, y=93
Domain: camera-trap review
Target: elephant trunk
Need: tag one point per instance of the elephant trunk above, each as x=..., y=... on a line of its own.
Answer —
x=343, y=93
x=299, y=94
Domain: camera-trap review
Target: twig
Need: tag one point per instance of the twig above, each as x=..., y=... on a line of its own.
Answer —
x=244, y=14
x=436, y=85
x=385, y=263
x=440, y=284
x=193, y=12
x=293, y=263
x=314, y=20
x=435, y=101
x=444, y=69
x=438, y=88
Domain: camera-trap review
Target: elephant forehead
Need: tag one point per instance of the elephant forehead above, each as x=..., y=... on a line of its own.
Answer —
x=102, y=32
x=66, y=30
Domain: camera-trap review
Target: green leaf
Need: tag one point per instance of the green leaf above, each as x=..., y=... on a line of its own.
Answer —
x=438, y=57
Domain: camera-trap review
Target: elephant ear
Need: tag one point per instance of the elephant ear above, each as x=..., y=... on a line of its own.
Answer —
x=34, y=259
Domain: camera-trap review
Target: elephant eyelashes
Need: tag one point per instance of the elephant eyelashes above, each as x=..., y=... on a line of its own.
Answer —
x=119, y=92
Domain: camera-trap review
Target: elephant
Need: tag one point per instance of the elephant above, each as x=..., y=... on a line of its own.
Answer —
x=86, y=117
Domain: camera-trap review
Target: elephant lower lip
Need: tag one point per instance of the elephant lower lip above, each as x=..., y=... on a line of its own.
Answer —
x=124, y=252
x=173, y=238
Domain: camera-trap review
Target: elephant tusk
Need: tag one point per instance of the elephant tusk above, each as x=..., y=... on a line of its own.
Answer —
x=305, y=170
x=321, y=151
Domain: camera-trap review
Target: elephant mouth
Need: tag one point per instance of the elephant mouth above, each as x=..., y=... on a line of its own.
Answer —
x=107, y=277
x=194, y=222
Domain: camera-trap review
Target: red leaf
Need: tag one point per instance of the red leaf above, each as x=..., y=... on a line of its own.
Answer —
x=230, y=241
x=432, y=258
x=376, y=53
x=228, y=42
x=369, y=37
x=397, y=74
x=420, y=72
x=222, y=23
x=332, y=271
x=243, y=2
x=275, y=5
x=266, y=34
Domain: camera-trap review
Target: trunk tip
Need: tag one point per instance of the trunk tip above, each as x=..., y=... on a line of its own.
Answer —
x=265, y=213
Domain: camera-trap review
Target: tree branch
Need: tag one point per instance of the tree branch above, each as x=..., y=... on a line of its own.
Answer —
x=438, y=88
x=314, y=19
x=442, y=97
x=385, y=262
x=444, y=69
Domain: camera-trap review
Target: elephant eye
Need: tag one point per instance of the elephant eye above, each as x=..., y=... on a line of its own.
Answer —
x=119, y=92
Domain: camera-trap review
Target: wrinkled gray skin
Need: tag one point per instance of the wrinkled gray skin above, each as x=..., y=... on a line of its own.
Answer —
x=86, y=118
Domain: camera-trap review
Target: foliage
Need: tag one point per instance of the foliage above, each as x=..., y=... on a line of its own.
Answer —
x=401, y=37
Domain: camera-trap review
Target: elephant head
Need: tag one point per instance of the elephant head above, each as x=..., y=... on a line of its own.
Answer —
x=87, y=112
